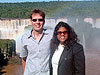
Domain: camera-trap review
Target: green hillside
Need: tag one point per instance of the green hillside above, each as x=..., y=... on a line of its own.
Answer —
x=52, y=9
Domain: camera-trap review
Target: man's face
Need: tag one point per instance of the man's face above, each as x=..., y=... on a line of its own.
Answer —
x=37, y=22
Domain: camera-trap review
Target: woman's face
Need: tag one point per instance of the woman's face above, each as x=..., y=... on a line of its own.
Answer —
x=62, y=34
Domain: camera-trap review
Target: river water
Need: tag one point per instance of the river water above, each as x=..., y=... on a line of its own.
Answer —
x=92, y=65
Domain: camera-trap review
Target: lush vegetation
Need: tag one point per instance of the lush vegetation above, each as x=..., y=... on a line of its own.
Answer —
x=52, y=9
x=8, y=47
x=8, y=52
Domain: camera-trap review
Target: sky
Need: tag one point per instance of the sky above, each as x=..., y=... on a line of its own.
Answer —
x=13, y=1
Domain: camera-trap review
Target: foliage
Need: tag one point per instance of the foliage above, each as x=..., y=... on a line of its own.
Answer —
x=53, y=9
x=8, y=47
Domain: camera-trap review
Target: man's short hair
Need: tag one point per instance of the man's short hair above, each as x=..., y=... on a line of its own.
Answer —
x=37, y=11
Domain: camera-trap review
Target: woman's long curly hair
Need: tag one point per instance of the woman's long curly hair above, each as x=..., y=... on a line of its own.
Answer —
x=72, y=36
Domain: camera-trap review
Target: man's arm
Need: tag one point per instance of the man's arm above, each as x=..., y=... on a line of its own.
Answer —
x=23, y=63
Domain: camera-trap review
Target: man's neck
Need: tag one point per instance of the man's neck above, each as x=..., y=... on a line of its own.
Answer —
x=37, y=34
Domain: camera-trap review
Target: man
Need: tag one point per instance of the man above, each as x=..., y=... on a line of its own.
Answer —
x=36, y=46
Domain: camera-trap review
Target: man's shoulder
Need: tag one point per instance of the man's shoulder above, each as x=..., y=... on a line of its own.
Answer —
x=49, y=31
x=45, y=29
x=26, y=33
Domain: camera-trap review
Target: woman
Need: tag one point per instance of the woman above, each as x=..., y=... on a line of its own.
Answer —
x=67, y=55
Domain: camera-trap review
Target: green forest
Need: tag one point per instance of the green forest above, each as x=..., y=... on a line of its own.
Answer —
x=53, y=9
x=8, y=47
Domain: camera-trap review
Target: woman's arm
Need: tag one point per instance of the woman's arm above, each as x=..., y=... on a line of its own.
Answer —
x=79, y=61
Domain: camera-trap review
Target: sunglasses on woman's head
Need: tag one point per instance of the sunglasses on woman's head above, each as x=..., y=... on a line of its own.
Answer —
x=64, y=32
x=34, y=20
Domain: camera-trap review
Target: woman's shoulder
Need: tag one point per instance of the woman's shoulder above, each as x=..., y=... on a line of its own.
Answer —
x=77, y=47
x=76, y=44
